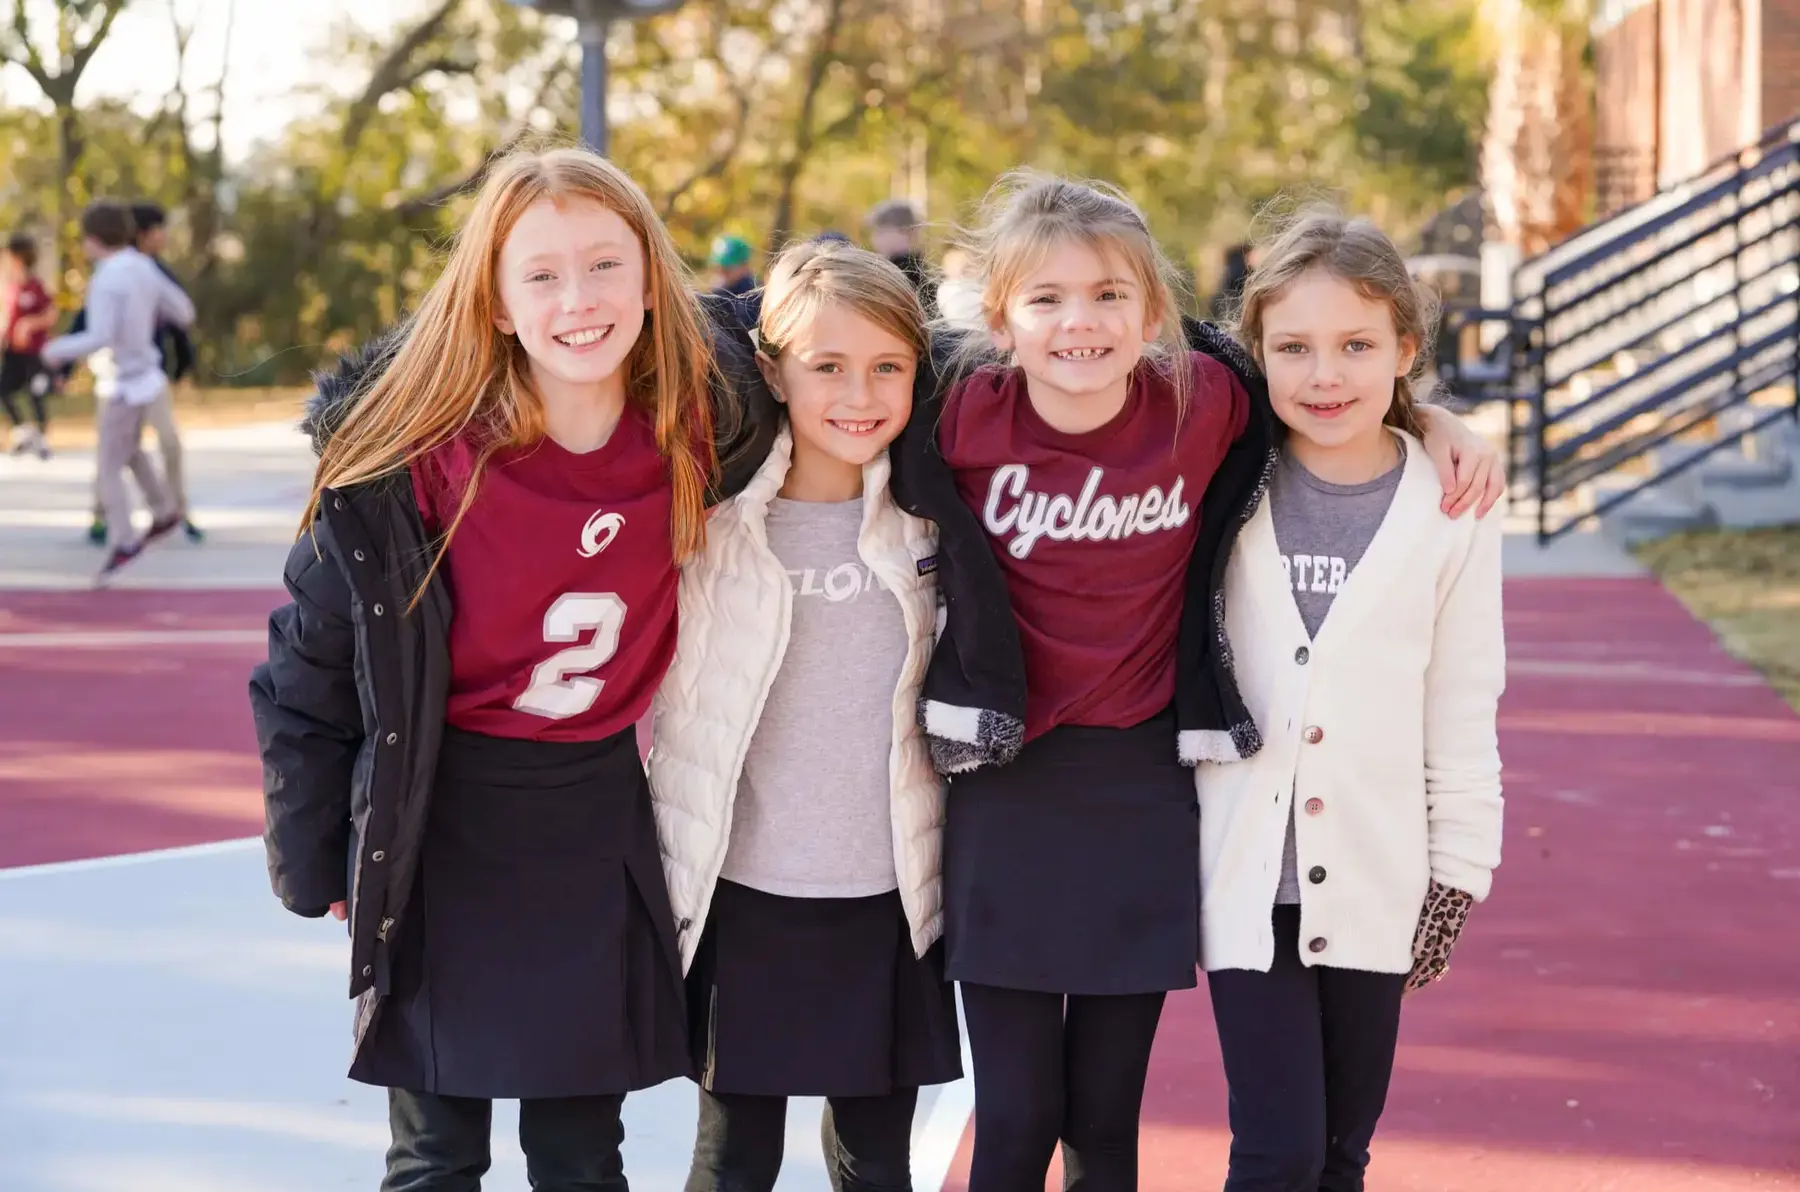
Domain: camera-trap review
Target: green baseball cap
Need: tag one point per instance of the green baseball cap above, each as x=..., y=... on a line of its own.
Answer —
x=728, y=252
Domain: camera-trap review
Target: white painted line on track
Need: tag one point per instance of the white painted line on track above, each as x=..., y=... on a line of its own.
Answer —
x=123, y=860
x=108, y=639
x=112, y=639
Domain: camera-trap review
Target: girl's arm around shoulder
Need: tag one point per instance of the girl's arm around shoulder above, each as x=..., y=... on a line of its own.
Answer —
x=1463, y=683
x=746, y=417
x=309, y=729
x=1227, y=379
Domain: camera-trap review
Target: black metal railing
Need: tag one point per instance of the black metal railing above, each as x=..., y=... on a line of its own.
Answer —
x=1642, y=329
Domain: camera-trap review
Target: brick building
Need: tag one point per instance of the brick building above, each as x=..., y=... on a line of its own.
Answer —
x=1679, y=84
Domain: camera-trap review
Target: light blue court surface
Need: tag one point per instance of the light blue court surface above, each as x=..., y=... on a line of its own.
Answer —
x=166, y=1027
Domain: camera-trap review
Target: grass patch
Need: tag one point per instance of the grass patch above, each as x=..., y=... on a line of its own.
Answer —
x=1746, y=585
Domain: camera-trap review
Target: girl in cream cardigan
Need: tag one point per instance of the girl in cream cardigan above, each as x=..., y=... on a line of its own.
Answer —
x=1339, y=862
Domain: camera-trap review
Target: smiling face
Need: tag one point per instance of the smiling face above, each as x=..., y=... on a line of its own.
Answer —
x=1331, y=357
x=1077, y=325
x=571, y=283
x=848, y=383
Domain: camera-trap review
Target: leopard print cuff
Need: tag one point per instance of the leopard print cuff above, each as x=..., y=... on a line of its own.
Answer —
x=1441, y=922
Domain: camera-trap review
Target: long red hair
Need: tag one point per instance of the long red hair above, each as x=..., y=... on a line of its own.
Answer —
x=455, y=371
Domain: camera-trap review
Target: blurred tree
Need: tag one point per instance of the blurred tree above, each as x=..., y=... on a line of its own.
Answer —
x=56, y=64
x=763, y=118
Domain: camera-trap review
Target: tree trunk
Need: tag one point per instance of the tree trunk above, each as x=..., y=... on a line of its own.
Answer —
x=823, y=56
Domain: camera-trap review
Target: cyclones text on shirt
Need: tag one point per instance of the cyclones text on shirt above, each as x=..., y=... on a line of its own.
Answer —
x=1012, y=507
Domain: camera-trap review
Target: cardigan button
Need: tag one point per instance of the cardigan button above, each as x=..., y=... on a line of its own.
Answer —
x=1316, y=875
x=392, y=738
x=368, y=970
x=357, y=555
x=1314, y=806
x=1317, y=945
x=379, y=610
x=1314, y=735
x=1301, y=655
x=378, y=856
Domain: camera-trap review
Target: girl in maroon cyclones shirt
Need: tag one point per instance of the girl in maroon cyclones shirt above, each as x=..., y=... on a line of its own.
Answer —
x=464, y=786
x=1071, y=870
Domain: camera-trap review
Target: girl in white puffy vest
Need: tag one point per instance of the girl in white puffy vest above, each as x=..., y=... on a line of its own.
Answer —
x=1367, y=632
x=799, y=814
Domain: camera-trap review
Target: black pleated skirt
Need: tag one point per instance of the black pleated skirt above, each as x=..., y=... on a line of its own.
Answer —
x=822, y=997
x=1076, y=868
x=538, y=958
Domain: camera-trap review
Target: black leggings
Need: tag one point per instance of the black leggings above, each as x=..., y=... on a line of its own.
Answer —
x=1308, y=1053
x=1049, y=1069
x=867, y=1141
x=15, y=407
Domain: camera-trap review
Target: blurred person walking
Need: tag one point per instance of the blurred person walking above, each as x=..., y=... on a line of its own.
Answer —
x=176, y=349
x=128, y=297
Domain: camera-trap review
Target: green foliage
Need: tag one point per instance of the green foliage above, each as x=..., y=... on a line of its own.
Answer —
x=771, y=118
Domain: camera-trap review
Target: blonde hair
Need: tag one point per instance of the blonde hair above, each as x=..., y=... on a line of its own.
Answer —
x=1360, y=254
x=809, y=276
x=454, y=370
x=1026, y=214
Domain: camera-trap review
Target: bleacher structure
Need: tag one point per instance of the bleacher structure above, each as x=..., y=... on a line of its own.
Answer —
x=1651, y=362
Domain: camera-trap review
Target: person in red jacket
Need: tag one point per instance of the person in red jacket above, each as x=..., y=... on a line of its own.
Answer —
x=26, y=316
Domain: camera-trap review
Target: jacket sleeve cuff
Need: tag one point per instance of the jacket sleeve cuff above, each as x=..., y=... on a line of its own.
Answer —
x=1473, y=880
x=964, y=738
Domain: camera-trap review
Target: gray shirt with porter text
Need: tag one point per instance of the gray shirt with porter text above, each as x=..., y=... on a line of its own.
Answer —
x=1321, y=530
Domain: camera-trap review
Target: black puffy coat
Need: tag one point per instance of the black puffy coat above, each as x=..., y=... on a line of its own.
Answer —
x=349, y=708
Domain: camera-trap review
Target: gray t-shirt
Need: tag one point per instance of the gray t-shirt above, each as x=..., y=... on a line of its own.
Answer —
x=812, y=815
x=1322, y=530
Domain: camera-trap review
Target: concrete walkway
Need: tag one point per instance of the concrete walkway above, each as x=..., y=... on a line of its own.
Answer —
x=247, y=486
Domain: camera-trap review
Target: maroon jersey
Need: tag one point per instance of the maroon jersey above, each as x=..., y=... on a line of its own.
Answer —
x=563, y=581
x=1093, y=532
x=22, y=300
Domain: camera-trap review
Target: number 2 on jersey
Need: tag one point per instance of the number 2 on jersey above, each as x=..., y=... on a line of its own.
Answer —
x=560, y=685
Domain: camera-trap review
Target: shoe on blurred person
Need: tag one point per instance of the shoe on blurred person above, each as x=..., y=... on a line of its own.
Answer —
x=97, y=533
x=160, y=530
x=117, y=560
x=194, y=533
x=29, y=440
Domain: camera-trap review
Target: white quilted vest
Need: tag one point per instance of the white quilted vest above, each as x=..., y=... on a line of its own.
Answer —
x=735, y=611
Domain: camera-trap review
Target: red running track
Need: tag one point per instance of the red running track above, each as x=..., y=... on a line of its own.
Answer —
x=1624, y=1013
x=113, y=744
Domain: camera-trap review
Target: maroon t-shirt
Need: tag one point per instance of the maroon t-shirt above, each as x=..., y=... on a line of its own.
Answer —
x=563, y=580
x=1093, y=532
x=22, y=300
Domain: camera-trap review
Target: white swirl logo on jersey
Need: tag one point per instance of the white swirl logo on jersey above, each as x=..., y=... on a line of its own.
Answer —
x=599, y=532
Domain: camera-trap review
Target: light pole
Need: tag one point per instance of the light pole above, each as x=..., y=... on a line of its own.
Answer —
x=592, y=17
